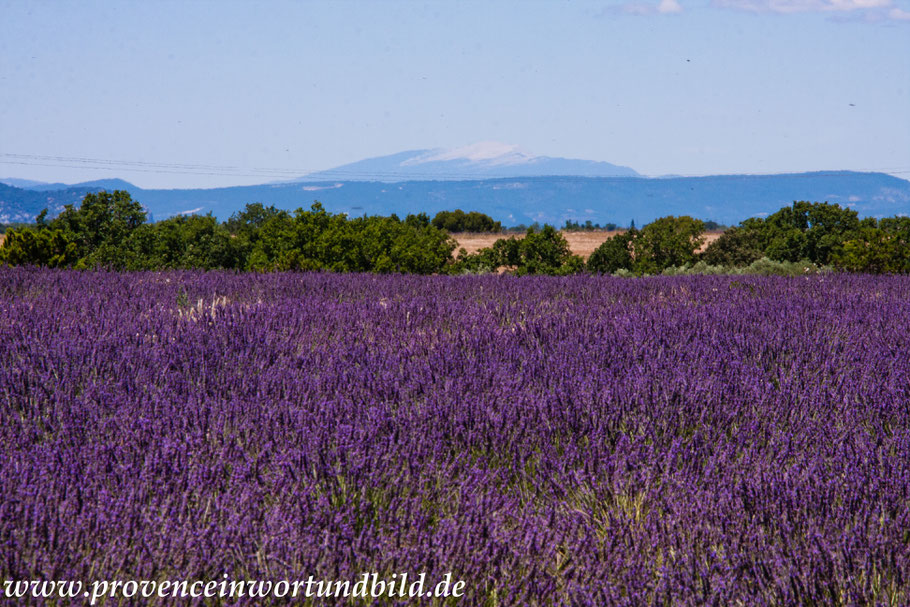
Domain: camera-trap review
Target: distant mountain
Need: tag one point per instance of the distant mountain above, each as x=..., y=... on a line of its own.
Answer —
x=49, y=187
x=105, y=184
x=19, y=204
x=724, y=198
x=483, y=160
x=98, y=184
x=23, y=183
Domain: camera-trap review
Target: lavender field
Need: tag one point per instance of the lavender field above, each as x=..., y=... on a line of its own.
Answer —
x=552, y=441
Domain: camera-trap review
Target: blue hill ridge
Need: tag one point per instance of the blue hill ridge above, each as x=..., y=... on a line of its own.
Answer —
x=727, y=199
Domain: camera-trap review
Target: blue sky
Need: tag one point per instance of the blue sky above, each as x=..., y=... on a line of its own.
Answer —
x=209, y=94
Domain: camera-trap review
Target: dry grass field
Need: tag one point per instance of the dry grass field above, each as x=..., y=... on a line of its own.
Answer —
x=581, y=243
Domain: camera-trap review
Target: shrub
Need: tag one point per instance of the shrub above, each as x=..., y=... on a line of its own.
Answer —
x=614, y=254
x=735, y=247
x=668, y=241
x=664, y=243
x=459, y=221
x=543, y=252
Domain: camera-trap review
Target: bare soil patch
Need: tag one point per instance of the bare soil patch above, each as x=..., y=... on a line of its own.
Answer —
x=580, y=243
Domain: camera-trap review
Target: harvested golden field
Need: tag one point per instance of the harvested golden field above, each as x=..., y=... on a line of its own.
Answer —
x=581, y=243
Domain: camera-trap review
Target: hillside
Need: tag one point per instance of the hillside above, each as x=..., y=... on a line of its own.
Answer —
x=483, y=160
x=725, y=198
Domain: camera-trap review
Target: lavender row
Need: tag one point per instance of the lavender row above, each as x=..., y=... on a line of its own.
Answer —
x=578, y=440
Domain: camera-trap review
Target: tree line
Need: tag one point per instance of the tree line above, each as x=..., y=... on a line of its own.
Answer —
x=803, y=237
x=110, y=229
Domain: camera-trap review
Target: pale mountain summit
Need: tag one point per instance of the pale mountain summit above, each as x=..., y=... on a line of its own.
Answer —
x=491, y=152
x=482, y=160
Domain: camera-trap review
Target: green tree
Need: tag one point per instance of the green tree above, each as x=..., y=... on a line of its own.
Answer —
x=806, y=230
x=318, y=240
x=459, y=221
x=614, y=254
x=877, y=247
x=78, y=236
x=251, y=218
x=103, y=218
x=546, y=252
x=666, y=242
x=37, y=246
x=539, y=252
x=734, y=248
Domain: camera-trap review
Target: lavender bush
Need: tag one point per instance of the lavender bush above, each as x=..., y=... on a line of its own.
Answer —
x=585, y=440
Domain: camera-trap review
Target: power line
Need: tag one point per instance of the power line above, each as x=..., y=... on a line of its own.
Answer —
x=136, y=165
x=137, y=170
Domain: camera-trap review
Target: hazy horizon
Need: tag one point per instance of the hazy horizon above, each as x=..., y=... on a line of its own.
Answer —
x=211, y=95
